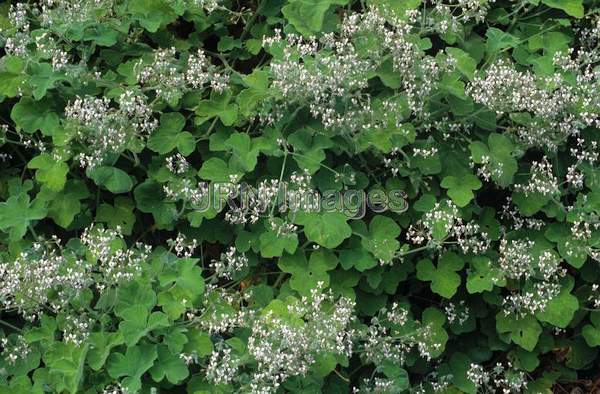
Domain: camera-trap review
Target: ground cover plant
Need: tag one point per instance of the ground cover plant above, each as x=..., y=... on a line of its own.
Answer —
x=300, y=196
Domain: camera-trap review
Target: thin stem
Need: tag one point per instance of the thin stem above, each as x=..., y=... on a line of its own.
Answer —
x=11, y=326
x=345, y=379
x=279, y=280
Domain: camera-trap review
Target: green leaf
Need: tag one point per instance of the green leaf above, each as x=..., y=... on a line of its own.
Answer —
x=199, y=343
x=42, y=79
x=306, y=275
x=153, y=14
x=24, y=363
x=528, y=361
x=429, y=165
x=397, y=375
x=101, y=35
x=390, y=77
x=499, y=155
x=169, y=135
x=483, y=276
x=328, y=229
x=463, y=61
x=243, y=150
x=530, y=204
x=66, y=205
x=498, y=40
x=112, y=178
x=452, y=84
x=12, y=77
x=135, y=293
x=550, y=42
x=461, y=189
x=324, y=364
x=216, y=170
x=573, y=250
x=176, y=338
x=31, y=116
x=460, y=364
x=580, y=356
x=169, y=365
x=186, y=143
x=183, y=284
x=137, y=323
x=343, y=283
x=561, y=308
x=444, y=279
x=150, y=198
x=591, y=332
x=273, y=244
x=311, y=147
x=118, y=215
x=101, y=344
x=218, y=105
x=571, y=7
x=307, y=16
x=524, y=331
x=18, y=212
x=44, y=332
x=50, y=172
x=65, y=363
x=357, y=257
x=133, y=364
x=381, y=240
x=258, y=83
x=435, y=339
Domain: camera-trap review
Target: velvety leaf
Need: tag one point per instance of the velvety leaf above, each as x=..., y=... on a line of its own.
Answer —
x=327, y=229
x=307, y=15
x=132, y=365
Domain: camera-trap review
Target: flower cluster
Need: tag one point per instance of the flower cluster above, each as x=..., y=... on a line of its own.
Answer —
x=115, y=263
x=57, y=13
x=449, y=17
x=322, y=73
x=458, y=314
x=169, y=78
x=209, y=5
x=516, y=220
x=103, y=130
x=254, y=203
x=223, y=366
x=14, y=348
x=500, y=378
x=547, y=109
x=392, y=336
x=46, y=276
x=541, y=275
x=220, y=311
x=18, y=38
x=285, y=347
x=183, y=186
x=55, y=16
x=442, y=223
x=181, y=246
x=241, y=137
x=41, y=278
x=229, y=263
x=286, y=343
x=76, y=328
x=542, y=180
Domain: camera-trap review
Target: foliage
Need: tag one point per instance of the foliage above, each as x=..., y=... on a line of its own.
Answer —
x=464, y=134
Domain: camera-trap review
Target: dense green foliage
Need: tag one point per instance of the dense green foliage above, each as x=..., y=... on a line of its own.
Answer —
x=464, y=134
